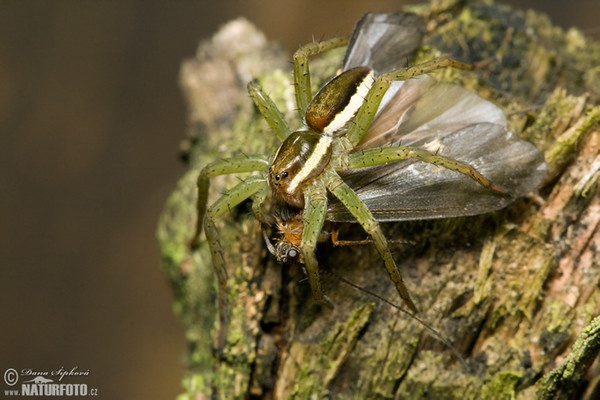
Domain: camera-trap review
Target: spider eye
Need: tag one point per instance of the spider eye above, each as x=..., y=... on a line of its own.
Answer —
x=281, y=175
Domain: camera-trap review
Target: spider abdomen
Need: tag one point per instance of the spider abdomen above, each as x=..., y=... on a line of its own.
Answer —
x=336, y=104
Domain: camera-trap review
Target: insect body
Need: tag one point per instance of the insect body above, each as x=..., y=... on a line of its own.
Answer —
x=287, y=246
x=381, y=142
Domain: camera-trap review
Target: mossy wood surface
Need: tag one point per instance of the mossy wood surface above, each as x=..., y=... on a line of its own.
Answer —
x=516, y=291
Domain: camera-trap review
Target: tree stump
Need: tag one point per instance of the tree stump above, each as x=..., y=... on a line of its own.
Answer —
x=516, y=292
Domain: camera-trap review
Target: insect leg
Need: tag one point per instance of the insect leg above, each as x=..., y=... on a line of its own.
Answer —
x=221, y=167
x=313, y=219
x=382, y=155
x=230, y=199
x=363, y=216
x=367, y=112
x=301, y=70
x=269, y=110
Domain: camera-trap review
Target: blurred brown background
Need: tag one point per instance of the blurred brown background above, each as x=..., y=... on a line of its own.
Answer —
x=90, y=122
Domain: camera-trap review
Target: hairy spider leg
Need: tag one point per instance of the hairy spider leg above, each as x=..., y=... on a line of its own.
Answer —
x=302, y=72
x=315, y=210
x=232, y=165
x=269, y=110
x=257, y=201
x=365, y=218
x=254, y=185
x=383, y=155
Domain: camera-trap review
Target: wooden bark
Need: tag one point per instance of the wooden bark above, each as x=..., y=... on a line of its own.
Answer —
x=516, y=292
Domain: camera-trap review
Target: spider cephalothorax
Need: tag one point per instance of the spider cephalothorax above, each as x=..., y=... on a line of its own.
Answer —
x=303, y=155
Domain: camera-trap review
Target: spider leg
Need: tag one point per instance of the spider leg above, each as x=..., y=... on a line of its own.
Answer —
x=313, y=220
x=230, y=199
x=301, y=70
x=383, y=155
x=221, y=167
x=206, y=217
x=269, y=110
x=257, y=201
x=363, y=216
x=367, y=112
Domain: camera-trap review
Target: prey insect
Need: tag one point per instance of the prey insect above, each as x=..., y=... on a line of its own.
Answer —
x=381, y=141
x=289, y=226
x=286, y=249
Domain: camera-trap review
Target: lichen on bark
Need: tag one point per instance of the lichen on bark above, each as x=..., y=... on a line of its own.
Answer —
x=513, y=290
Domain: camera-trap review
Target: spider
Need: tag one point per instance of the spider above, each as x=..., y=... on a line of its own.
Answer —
x=381, y=141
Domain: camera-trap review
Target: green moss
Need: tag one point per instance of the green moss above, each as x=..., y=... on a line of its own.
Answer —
x=501, y=386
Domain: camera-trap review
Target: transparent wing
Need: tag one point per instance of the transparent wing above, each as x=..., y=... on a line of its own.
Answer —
x=384, y=41
x=451, y=121
x=419, y=110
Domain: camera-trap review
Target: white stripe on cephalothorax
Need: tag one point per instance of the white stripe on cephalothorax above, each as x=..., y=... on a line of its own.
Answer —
x=356, y=101
x=313, y=160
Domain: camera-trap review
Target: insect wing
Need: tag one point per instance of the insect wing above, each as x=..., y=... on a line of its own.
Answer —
x=418, y=111
x=450, y=121
x=384, y=41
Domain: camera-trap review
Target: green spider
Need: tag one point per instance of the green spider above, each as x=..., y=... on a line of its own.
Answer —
x=370, y=150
